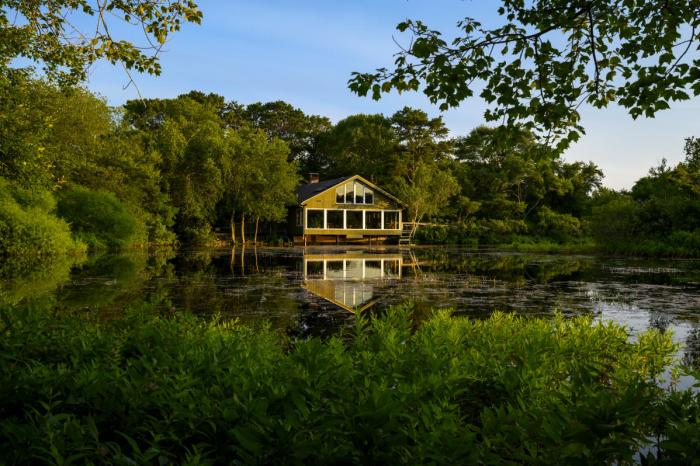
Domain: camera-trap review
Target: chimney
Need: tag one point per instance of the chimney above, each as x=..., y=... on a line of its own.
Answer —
x=313, y=178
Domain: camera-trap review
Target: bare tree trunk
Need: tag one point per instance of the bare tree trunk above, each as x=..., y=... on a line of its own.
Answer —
x=233, y=226
x=243, y=228
x=255, y=236
x=243, y=259
x=416, y=219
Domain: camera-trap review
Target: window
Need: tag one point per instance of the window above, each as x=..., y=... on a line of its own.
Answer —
x=354, y=193
x=300, y=217
x=314, y=218
x=340, y=195
x=369, y=196
x=354, y=219
x=349, y=194
x=373, y=220
x=334, y=219
x=359, y=193
x=391, y=220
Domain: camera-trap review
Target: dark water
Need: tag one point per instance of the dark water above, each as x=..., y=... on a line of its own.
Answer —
x=315, y=291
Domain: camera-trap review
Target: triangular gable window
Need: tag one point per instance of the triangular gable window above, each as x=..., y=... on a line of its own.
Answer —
x=354, y=193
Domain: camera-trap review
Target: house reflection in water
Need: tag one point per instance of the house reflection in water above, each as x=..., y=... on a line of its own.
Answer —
x=350, y=280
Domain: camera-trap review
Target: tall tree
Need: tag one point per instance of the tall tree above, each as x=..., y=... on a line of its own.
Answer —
x=519, y=181
x=359, y=144
x=194, y=151
x=426, y=193
x=549, y=56
x=299, y=130
x=421, y=177
x=259, y=180
x=422, y=140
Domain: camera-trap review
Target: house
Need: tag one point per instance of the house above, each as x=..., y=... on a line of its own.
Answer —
x=344, y=209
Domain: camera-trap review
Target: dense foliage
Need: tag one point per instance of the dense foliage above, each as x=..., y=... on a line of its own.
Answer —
x=547, y=57
x=144, y=388
x=660, y=215
x=97, y=217
x=196, y=169
x=28, y=226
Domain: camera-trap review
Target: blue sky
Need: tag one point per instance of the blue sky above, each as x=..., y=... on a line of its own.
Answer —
x=304, y=51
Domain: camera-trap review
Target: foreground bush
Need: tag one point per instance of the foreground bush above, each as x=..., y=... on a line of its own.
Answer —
x=148, y=389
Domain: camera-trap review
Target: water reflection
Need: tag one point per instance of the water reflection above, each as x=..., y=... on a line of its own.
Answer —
x=351, y=281
x=310, y=291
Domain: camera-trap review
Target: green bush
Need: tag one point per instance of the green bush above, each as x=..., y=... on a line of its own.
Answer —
x=97, y=217
x=557, y=226
x=505, y=390
x=28, y=227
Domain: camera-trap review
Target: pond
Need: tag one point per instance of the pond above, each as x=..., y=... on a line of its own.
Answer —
x=316, y=291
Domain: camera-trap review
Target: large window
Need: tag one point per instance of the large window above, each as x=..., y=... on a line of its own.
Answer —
x=359, y=194
x=334, y=219
x=340, y=195
x=373, y=220
x=354, y=193
x=314, y=218
x=354, y=219
x=391, y=220
x=349, y=193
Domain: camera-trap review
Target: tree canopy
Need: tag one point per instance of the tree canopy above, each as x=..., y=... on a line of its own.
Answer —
x=548, y=57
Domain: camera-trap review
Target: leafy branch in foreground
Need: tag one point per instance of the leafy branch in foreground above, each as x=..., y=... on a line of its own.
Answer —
x=555, y=55
x=50, y=32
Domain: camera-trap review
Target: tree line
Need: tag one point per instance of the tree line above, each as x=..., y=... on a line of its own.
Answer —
x=75, y=172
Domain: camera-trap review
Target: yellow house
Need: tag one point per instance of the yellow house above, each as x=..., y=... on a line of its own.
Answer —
x=350, y=208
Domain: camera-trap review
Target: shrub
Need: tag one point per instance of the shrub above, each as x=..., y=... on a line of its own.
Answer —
x=557, y=226
x=28, y=228
x=97, y=217
x=149, y=389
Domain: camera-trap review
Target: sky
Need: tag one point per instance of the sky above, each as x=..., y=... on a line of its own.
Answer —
x=304, y=51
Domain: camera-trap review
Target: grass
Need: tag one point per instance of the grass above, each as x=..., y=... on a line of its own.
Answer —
x=147, y=388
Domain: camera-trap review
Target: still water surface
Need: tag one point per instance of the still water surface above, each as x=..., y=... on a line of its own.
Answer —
x=315, y=291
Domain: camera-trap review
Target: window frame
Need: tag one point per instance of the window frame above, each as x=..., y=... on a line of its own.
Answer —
x=381, y=218
x=306, y=219
x=355, y=184
x=398, y=213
